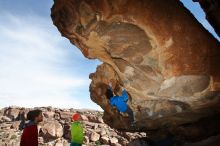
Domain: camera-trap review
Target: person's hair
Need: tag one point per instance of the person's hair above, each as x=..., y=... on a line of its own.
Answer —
x=118, y=89
x=31, y=115
x=109, y=93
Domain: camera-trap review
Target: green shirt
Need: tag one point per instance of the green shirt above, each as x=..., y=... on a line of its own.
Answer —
x=77, y=135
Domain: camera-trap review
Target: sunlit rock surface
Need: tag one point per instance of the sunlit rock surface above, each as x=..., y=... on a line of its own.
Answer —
x=156, y=49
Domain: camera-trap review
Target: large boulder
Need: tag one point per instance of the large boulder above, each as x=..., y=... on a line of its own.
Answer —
x=168, y=63
x=51, y=129
x=12, y=113
x=4, y=119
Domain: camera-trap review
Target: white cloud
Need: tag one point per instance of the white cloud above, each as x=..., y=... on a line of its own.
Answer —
x=33, y=63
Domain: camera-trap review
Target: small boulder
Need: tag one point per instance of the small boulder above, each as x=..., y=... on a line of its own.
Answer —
x=86, y=140
x=93, y=118
x=49, y=114
x=103, y=132
x=15, y=125
x=104, y=140
x=100, y=120
x=66, y=115
x=113, y=141
x=84, y=118
x=94, y=136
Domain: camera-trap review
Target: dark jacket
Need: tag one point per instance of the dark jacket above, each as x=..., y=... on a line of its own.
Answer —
x=30, y=135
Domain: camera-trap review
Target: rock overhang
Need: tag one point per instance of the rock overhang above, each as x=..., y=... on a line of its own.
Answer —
x=166, y=60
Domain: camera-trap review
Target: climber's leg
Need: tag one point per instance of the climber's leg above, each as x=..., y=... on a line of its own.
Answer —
x=130, y=114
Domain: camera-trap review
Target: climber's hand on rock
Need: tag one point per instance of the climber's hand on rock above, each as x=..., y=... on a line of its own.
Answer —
x=126, y=81
x=110, y=84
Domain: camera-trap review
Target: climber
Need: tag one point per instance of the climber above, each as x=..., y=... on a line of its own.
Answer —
x=77, y=135
x=30, y=133
x=120, y=102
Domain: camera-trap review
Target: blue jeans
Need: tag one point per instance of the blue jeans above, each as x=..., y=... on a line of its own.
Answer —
x=75, y=144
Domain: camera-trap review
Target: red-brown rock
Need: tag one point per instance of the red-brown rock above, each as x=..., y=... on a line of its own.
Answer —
x=157, y=50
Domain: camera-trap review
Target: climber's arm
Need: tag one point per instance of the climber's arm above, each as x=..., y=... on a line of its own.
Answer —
x=124, y=95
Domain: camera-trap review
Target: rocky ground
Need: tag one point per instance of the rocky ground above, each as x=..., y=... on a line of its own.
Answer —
x=54, y=130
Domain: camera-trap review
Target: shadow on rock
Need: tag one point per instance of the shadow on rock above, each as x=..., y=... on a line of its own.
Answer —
x=149, y=142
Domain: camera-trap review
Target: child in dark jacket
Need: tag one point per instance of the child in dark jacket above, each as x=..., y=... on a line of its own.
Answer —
x=120, y=102
x=30, y=133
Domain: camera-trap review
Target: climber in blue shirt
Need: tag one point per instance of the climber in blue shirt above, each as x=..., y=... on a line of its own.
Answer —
x=120, y=102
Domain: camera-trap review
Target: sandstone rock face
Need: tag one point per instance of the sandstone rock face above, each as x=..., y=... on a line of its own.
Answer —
x=212, y=10
x=168, y=63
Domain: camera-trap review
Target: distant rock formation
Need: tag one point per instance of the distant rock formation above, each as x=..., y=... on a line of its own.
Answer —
x=157, y=50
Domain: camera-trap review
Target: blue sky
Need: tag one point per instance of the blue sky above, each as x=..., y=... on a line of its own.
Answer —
x=38, y=67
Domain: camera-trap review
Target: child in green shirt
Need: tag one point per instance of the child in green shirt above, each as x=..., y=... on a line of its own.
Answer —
x=77, y=135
